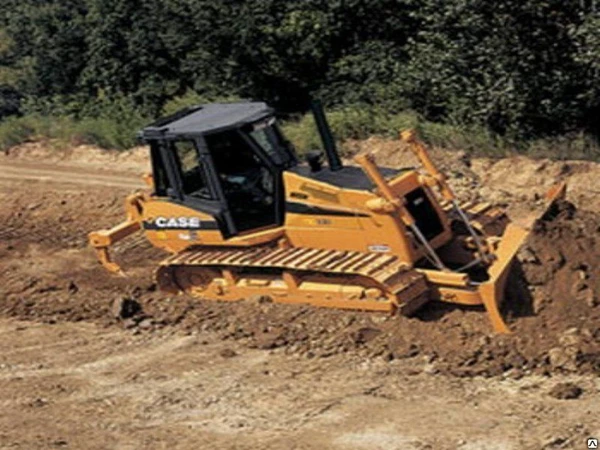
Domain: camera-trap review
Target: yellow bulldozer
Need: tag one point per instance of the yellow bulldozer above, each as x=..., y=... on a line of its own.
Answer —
x=241, y=217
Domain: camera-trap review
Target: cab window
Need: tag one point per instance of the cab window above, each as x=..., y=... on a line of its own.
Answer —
x=267, y=136
x=247, y=182
x=188, y=165
x=159, y=174
x=261, y=137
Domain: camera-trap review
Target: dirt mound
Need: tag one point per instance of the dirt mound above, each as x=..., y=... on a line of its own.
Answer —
x=516, y=181
x=556, y=321
x=48, y=271
x=524, y=179
x=394, y=153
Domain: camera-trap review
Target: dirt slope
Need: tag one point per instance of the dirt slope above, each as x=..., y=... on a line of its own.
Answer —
x=553, y=296
x=514, y=180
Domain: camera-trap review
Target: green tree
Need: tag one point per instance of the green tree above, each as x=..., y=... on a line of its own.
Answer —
x=46, y=44
x=127, y=53
x=507, y=65
x=520, y=68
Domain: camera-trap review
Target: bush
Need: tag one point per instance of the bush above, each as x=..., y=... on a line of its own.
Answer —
x=302, y=133
x=574, y=146
x=355, y=122
x=15, y=131
x=478, y=141
x=106, y=133
x=111, y=124
x=360, y=122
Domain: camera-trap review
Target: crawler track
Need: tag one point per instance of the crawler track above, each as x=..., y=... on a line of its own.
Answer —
x=329, y=278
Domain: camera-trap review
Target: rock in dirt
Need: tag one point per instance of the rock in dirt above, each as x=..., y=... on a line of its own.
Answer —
x=125, y=308
x=227, y=353
x=38, y=403
x=146, y=324
x=269, y=340
x=563, y=358
x=364, y=335
x=566, y=391
x=570, y=338
x=587, y=296
x=129, y=324
x=260, y=299
x=72, y=288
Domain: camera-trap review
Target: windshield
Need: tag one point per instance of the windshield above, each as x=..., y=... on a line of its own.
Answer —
x=268, y=137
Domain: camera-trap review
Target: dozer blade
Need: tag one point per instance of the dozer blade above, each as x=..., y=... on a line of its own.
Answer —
x=492, y=291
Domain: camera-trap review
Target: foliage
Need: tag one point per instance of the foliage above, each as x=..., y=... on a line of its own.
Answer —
x=15, y=131
x=509, y=71
x=111, y=124
x=506, y=65
x=573, y=146
x=192, y=98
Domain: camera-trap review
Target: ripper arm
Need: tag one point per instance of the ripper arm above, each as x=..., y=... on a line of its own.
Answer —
x=101, y=240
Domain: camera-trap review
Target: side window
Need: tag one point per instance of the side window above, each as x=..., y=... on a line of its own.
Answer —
x=269, y=138
x=159, y=174
x=188, y=164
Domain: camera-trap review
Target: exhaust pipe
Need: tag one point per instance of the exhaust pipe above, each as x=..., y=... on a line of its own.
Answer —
x=333, y=158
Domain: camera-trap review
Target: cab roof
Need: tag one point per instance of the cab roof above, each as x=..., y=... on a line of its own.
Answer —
x=206, y=119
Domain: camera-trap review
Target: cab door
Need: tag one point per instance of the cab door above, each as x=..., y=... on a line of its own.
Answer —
x=221, y=175
x=248, y=180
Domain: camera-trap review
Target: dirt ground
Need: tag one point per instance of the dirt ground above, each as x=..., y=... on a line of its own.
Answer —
x=182, y=373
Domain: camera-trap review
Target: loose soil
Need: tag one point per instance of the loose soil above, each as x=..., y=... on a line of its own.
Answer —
x=244, y=374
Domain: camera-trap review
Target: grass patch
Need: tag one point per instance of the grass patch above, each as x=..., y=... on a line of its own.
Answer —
x=106, y=132
x=106, y=125
x=362, y=122
x=103, y=132
x=474, y=140
x=113, y=125
x=569, y=146
x=347, y=123
x=17, y=130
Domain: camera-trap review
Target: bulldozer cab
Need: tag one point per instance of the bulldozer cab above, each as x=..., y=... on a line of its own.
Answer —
x=225, y=160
